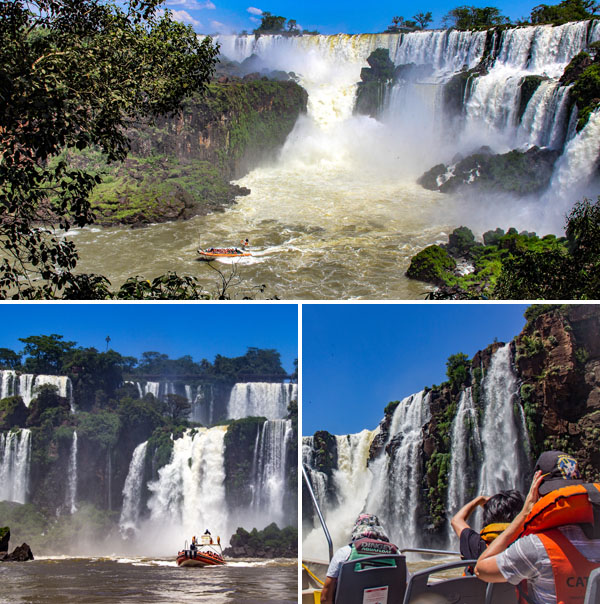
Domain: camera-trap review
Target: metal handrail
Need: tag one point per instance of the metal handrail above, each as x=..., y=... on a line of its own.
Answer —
x=316, y=504
x=435, y=552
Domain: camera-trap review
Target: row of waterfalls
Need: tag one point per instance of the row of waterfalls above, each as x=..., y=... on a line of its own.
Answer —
x=489, y=452
x=491, y=110
x=258, y=399
x=189, y=492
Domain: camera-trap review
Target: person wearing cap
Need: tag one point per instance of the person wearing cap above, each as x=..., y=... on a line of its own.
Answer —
x=534, y=559
x=366, y=528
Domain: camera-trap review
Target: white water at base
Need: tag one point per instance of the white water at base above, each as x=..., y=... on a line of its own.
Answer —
x=15, y=454
x=132, y=491
x=261, y=399
x=189, y=494
x=352, y=480
x=71, y=496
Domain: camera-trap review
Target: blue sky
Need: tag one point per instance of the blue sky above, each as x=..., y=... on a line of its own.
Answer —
x=329, y=17
x=200, y=330
x=356, y=358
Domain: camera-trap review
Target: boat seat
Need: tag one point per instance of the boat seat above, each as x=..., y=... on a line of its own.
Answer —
x=467, y=589
x=501, y=593
x=592, y=593
x=386, y=571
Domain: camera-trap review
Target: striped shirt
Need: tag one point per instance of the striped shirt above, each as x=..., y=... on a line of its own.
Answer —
x=527, y=559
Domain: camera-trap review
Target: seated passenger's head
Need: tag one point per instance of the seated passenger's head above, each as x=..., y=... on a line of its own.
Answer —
x=502, y=507
x=367, y=526
x=560, y=470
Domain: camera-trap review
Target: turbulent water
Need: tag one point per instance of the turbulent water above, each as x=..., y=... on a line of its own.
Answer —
x=109, y=580
x=339, y=214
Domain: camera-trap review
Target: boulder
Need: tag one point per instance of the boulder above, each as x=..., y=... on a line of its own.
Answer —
x=4, y=540
x=20, y=554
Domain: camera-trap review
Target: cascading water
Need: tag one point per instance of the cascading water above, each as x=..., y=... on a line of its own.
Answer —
x=189, y=494
x=269, y=470
x=7, y=383
x=71, y=497
x=318, y=480
x=340, y=208
x=261, y=399
x=466, y=448
x=132, y=491
x=395, y=496
x=15, y=454
x=351, y=481
x=504, y=440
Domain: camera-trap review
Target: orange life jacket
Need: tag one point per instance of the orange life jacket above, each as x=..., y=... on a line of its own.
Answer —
x=575, y=504
x=491, y=531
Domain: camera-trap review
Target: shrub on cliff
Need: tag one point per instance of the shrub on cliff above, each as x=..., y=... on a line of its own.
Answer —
x=431, y=265
x=13, y=413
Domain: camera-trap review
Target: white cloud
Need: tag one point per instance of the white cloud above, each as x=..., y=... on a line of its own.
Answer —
x=185, y=17
x=192, y=4
x=254, y=11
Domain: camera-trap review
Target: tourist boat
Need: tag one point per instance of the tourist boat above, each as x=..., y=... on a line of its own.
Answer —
x=213, y=253
x=205, y=554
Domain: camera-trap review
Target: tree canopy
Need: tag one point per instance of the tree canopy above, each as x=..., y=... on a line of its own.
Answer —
x=564, y=12
x=473, y=17
x=74, y=74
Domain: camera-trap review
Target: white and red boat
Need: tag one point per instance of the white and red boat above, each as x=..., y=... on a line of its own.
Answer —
x=205, y=554
x=213, y=253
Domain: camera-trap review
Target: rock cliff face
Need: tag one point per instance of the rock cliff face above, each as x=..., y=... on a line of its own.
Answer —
x=556, y=360
x=181, y=166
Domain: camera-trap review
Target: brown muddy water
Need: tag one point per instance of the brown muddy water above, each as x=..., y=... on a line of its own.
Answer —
x=115, y=580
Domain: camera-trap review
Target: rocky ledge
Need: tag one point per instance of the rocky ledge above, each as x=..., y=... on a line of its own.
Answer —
x=516, y=172
x=21, y=553
x=271, y=542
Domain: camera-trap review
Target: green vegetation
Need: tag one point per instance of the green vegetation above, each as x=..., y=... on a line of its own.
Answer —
x=74, y=76
x=472, y=17
x=522, y=266
x=273, y=24
x=432, y=264
x=457, y=370
x=564, y=12
x=583, y=72
x=270, y=542
x=419, y=21
x=390, y=407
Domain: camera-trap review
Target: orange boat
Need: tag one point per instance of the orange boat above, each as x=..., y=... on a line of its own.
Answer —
x=205, y=554
x=213, y=253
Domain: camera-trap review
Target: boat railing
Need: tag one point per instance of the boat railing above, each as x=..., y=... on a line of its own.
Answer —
x=432, y=552
x=318, y=510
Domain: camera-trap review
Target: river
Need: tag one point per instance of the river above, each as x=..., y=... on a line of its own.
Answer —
x=60, y=580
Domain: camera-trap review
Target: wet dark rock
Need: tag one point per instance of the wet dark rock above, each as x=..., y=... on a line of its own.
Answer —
x=20, y=554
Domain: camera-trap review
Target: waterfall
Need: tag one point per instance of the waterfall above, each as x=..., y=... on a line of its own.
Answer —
x=544, y=122
x=132, y=491
x=261, y=399
x=396, y=491
x=579, y=160
x=351, y=481
x=15, y=453
x=466, y=450
x=504, y=440
x=318, y=479
x=269, y=470
x=203, y=405
x=189, y=494
x=7, y=383
x=72, y=476
x=26, y=388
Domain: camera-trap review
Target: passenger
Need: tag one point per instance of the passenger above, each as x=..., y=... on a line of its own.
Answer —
x=245, y=242
x=555, y=562
x=498, y=511
x=193, y=545
x=368, y=538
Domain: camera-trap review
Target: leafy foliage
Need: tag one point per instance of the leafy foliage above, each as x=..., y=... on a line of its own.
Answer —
x=457, y=369
x=565, y=11
x=74, y=75
x=45, y=354
x=473, y=17
x=9, y=359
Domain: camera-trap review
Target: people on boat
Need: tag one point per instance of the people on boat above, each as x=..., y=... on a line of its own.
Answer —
x=368, y=539
x=245, y=242
x=554, y=544
x=207, y=538
x=498, y=511
x=193, y=544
